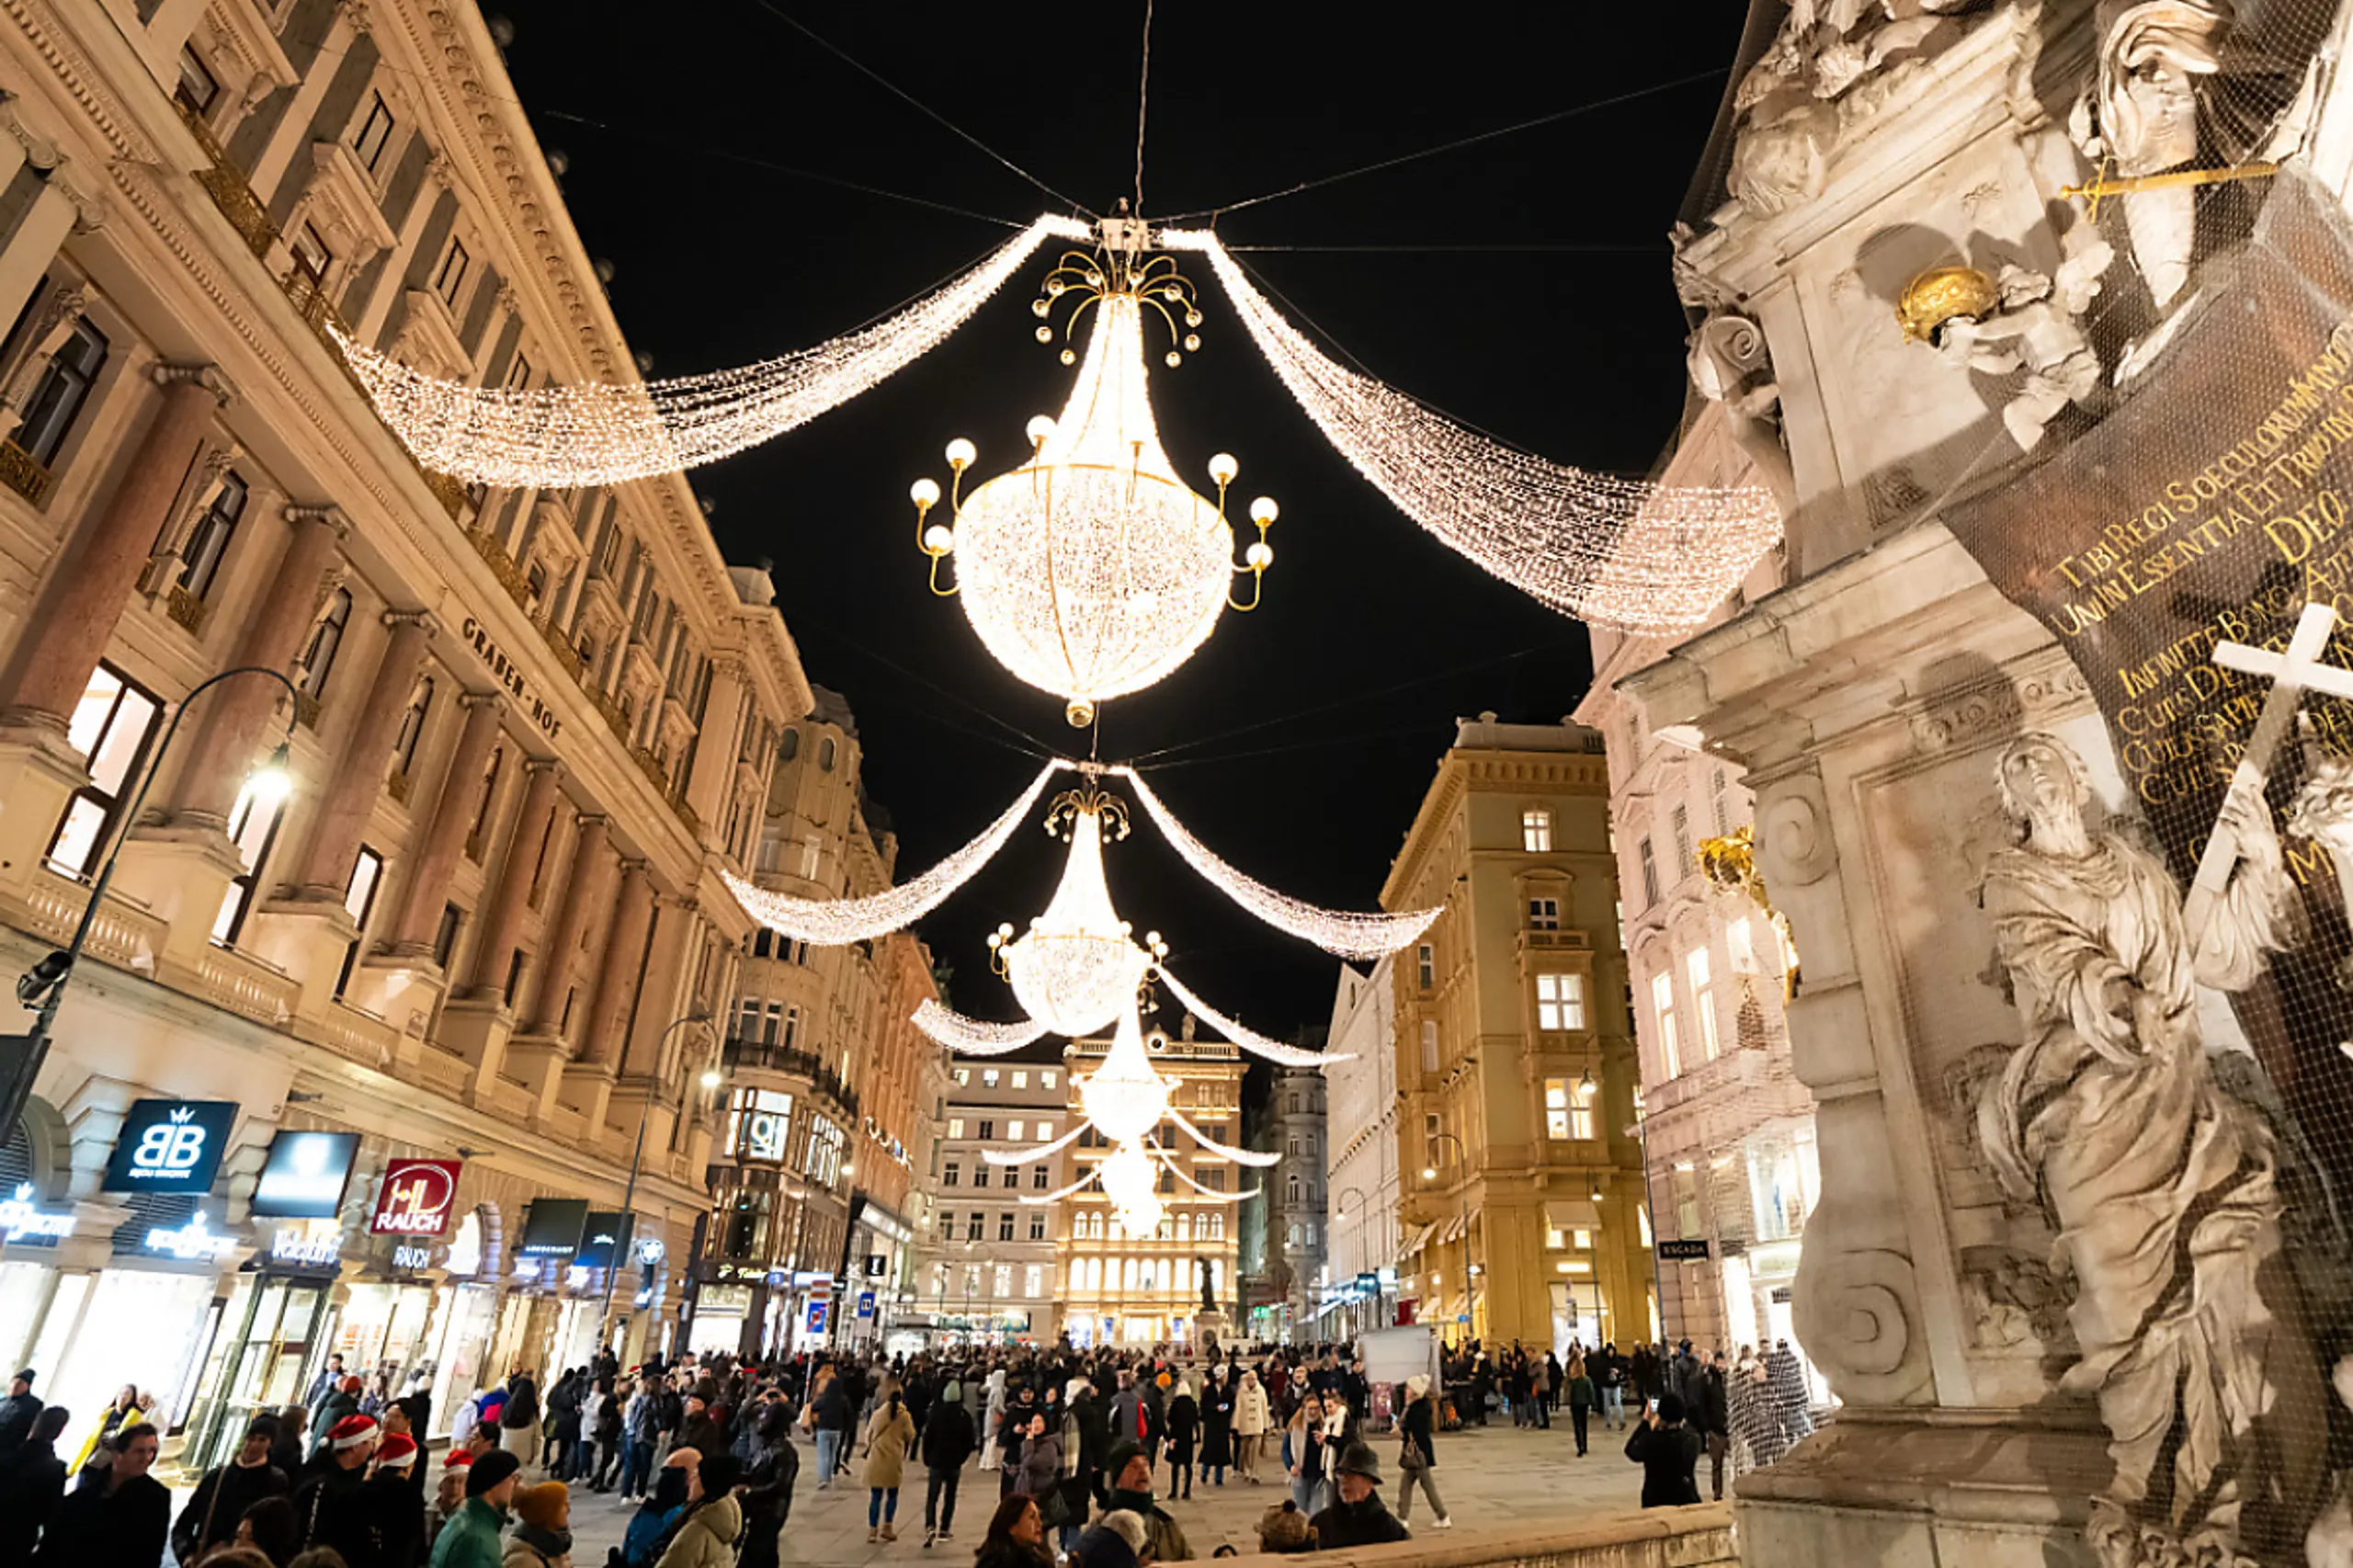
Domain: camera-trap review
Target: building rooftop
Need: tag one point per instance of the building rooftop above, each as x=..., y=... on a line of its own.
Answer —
x=1487, y=732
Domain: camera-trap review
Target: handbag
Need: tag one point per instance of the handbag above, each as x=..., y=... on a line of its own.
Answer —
x=1410, y=1455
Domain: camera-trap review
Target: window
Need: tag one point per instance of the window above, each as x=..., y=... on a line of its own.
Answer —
x=947, y=1231
x=988, y=1078
x=1033, y=1276
x=110, y=728
x=1039, y=1177
x=64, y=387
x=1703, y=1006
x=359, y=902
x=451, y=277
x=1560, y=1001
x=1670, y=1053
x=326, y=640
x=1426, y=965
x=1046, y=1079
x=1212, y=1179
x=478, y=830
x=444, y=934
x=1684, y=859
x=252, y=825
x=788, y=746
x=518, y=373
x=826, y=752
x=1650, y=873
x=1004, y=1234
x=1045, y=1131
x=759, y=1124
x=420, y=703
x=973, y=1223
x=955, y=1127
x=963, y=1075
x=1543, y=913
x=821, y=1161
x=1716, y=797
x=311, y=256
x=950, y=1174
x=198, y=86
x=1556, y=1109
x=1013, y=1131
x=209, y=540
x=374, y=132
x=1429, y=1045
x=988, y=1130
x=1535, y=830
x=980, y=1176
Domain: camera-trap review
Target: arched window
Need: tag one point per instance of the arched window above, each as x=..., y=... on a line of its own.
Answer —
x=327, y=641
x=478, y=831
x=420, y=703
x=209, y=542
x=825, y=754
x=789, y=747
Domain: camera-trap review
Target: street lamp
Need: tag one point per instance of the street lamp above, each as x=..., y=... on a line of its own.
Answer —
x=1471, y=1267
x=43, y=986
x=1641, y=1128
x=1340, y=1208
x=711, y=1080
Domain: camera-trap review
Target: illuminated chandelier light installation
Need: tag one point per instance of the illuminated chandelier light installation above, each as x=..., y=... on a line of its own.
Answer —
x=601, y=433
x=1092, y=571
x=834, y=922
x=1076, y=968
x=1618, y=552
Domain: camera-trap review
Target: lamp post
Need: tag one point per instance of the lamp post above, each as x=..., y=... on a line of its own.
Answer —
x=1469, y=1265
x=1340, y=1208
x=711, y=1080
x=43, y=986
x=1641, y=1128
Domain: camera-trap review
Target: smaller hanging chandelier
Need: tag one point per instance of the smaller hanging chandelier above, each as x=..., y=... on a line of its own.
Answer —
x=1092, y=570
x=1076, y=968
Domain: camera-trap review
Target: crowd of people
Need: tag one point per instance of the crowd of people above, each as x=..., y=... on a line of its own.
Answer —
x=710, y=1453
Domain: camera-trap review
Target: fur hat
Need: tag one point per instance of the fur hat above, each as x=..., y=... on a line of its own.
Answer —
x=547, y=1506
x=1284, y=1529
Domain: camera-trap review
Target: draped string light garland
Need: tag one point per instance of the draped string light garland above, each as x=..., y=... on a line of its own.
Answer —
x=975, y=1036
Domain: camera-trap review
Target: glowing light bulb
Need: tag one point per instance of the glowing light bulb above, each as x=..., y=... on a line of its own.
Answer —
x=1263, y=511
x=924, y=493
x=961, y=454
x=938, y=539
x=1040, y=430
x=1260, y=556
x=1222, y=468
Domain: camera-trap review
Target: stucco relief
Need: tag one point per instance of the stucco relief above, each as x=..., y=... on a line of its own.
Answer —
x=1858, y=1315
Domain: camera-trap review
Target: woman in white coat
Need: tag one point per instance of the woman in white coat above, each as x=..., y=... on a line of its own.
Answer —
x=994, y=1414
x=1252, y=1421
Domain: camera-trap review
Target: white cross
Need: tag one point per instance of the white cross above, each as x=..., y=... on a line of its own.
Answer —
x=2297, y=670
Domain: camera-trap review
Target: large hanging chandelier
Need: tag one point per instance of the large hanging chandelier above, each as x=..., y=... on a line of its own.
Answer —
x=1076, y=966
x=1092, y=570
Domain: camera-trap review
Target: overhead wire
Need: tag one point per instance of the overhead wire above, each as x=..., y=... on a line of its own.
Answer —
x=915, y=103
x=1144, y=89
x=1224, y=207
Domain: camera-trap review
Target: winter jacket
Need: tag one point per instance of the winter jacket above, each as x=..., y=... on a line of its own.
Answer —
x=334, y=1408
x=521, y=1553
x=220, y=1501
x=1184, y=1421
x=1369, y=1523
x=703, y=1434
x=522, y=1408
x=32, y=1479
x=1041, y=1465
x=948, y=1438
x=17, y=1413
x=1581, y=1394
x=887, y=1438
x=1666, y=1455
x=1711, y=1406
x=470, y=1537
x=708, y=1538
x=1416, y=1428
x=94, y=1526
x=1251, y=1415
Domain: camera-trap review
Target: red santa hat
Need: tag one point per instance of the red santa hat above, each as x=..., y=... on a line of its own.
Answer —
x=458, y=1460
x=352, y=1431
x=398, y=1452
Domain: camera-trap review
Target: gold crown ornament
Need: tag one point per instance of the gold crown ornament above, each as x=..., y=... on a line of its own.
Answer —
x=1941, y=293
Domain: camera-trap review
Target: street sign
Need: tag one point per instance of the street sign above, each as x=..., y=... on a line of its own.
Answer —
x=866, y=1304
x=1463, y=1317
x=817, y=1314
x=1686, y=1251
x=304, y=1176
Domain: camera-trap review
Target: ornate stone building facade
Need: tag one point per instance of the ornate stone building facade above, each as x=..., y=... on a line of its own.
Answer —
x=1522, y=1199
x=525, y=729
x=1361, y=1174
x=1298, y=1236
x=986, y=1265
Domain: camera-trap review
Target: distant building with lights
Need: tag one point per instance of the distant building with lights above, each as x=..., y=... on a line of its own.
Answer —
x=1522, y=1201
x=987, y=1267
x=1141, y=1290
x=1295, y=1190
x=1360, y=1185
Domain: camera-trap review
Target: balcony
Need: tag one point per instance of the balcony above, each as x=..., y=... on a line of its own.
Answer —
x=502, y=565
x=228, y=188
x=766, y=1057
x=565, y=653
x=23, y=473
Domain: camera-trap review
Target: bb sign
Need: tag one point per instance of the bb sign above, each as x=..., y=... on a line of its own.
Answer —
x=171, y=1146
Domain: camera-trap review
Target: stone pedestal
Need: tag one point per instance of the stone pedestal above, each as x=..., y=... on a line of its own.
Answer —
x=179, y=875
x=307, y=937
x=477, y=1028
x=38, y=772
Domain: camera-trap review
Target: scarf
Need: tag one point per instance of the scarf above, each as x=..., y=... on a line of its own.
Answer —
x=549, y=1544
x=1136, y=1503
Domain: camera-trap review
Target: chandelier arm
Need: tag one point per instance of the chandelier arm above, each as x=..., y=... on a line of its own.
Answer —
x=1647, y=558
x=1247, y=1039
x=1250, y=1157
x=974, y=1037
x=1179, y=1173
x=1024, y=1157
x=834, y=922
x=1338, y=932
x=1075, y=1189
x=605, y=433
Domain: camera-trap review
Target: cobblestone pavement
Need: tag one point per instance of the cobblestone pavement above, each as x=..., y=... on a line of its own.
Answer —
x=1491, y=1478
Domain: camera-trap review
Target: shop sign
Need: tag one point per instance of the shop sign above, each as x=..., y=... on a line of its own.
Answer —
x=650, y=1252
x=1781, y=1295
x=411, y=1256
x=603, y=1239
x=1368, y=1284
x=552, y=1227
x=302, y=1250
x=865, y=1304
x=20, y=1222
x=1687, y=1251
x=192, y=1242
x=509, y=674
x=876, y=1265
x=170, y=1146
x=1388, y=1278
x=305, y=1174
x=766, y=1134
x=417, y=1197
x=725, y=1300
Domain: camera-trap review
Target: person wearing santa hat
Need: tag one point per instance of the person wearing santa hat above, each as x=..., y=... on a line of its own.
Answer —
x=450, y=1497
x=394, y=1510
x=331, y=1505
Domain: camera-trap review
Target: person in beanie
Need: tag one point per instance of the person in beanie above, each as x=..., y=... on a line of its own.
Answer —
x=542, y=1536
x=948, y=1441
x=768, y=1477
x=17, y=1412
x=1129, y=1476
x=223, y=1495
x=1111, y=1543
x=1359, y=1517
x=1417, y=1450
x=471, y=1538
x=707, y=1537
x=394, y=1511
x=1283, y=1530
x=1667, y=1450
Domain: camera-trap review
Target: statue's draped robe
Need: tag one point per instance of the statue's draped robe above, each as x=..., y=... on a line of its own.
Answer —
x=2161, y=1186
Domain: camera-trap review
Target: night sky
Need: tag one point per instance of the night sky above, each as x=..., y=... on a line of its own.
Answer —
x=1300, y=740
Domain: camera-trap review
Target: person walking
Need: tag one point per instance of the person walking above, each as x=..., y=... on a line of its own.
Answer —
x=1755, y=1426
x=1711, y=1414
x=568, y=1404
x=993, y=1416
x=1611, y=1374
x=1184, y=1422
x=888, y=1437
x=222, y=1498
x=1417, y=1450
x=32, y=1479
x=948, y=1441
x=1306, y=1454
x=1357, y=1517
x=1792, y=1402
x=112, y=1419
x=641, y=1427
x=769, y=1478
x=520, y=1420
x=119, y=1516
x=833, y=1416
x=1667, y=1450
x=1581, y=1397
x=1252, y=1420
x=1217, y=1426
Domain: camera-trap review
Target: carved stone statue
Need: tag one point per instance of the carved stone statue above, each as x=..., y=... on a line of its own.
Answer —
x=2034, y=329
x=1209, y=1284
x=2161, y=1186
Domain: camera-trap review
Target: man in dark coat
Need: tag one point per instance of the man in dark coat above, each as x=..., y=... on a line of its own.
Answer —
x=119, y=1515
x=17, y=1412
x=1710, y=1405
x=33, y=1479
x=332, y=1505
x=222, y=1496
x=1360, y=1517
x=1667, y=1450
